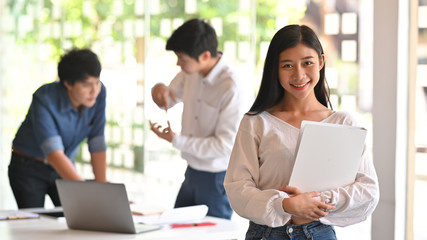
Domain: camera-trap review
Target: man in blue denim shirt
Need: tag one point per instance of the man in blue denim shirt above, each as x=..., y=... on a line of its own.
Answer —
x=61, y=115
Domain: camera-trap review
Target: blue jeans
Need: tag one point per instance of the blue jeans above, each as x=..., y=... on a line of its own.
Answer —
x=207, y=188
x=312, y=231
x=31, y=180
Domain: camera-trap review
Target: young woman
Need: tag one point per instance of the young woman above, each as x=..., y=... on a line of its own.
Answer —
x=293, y=89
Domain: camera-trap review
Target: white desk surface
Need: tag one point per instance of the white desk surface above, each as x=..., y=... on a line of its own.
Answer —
x=48, y=228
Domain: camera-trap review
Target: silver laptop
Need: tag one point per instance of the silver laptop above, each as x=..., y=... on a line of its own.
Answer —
x=327, y=156
x=98, y=206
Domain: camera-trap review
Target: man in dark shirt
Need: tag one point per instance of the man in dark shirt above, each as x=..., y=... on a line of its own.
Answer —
x=61, y=115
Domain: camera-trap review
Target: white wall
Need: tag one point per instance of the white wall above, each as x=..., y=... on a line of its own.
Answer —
x=389, y=115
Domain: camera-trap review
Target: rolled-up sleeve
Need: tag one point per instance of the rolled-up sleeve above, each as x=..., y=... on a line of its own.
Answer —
x=44, y=127
x=52, y=144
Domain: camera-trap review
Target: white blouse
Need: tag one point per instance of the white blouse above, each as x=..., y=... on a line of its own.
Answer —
x=261, y=162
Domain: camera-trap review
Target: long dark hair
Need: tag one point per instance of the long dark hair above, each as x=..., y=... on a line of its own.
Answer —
x=271, y=91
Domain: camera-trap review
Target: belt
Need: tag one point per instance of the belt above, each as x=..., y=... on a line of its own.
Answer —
x=16, y=151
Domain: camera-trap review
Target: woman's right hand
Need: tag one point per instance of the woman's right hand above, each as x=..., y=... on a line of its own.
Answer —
x=304, y=206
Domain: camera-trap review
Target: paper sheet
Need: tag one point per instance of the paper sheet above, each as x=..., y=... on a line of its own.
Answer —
x=13, y=215
x=175, y=215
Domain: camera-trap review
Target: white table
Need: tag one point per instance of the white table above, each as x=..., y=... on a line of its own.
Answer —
x=47, y=228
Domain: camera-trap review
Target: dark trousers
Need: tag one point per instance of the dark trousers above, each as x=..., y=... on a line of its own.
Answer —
x=31, y=180
x=207, y=188
x=309, y=231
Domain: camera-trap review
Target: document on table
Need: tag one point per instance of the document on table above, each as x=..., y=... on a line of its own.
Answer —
x=175, y=215
x=14, y=215
x=327, y=156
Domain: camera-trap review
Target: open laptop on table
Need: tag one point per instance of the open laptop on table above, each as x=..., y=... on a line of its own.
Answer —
x=98, y=206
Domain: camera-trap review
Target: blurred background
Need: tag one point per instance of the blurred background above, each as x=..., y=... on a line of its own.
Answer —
x=129, y=37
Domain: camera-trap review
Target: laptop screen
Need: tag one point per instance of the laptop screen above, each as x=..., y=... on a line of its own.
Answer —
x=97, y=206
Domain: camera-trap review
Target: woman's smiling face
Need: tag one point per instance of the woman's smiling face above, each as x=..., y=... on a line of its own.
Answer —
x=299, y=70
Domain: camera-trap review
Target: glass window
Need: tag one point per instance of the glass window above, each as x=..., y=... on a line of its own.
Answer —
x=420, y=167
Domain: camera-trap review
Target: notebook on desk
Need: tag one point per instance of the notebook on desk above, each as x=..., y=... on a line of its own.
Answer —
x=327, y=156
x=99, y=207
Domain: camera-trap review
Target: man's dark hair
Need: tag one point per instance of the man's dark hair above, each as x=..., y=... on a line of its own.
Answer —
x=77, y=65
x=193, y=38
